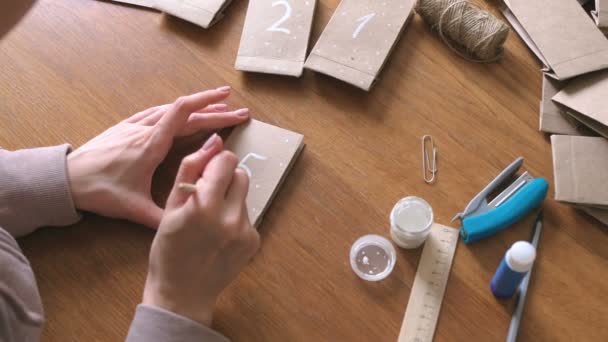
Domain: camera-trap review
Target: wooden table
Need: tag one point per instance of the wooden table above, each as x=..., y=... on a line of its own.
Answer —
x=74, y=68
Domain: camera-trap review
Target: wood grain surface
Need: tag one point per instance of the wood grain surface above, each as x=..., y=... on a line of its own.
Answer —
x=73, y=68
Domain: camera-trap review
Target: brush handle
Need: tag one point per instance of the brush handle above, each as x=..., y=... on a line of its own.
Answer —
x=514, y=209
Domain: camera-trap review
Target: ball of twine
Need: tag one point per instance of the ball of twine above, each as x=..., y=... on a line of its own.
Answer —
x=478, y=34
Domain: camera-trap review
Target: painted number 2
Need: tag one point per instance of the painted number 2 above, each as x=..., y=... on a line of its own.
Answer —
x=275, y=26
x=364, y=20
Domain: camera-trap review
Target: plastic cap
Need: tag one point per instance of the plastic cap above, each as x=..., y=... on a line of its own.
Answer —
x=520, y=256
x=372, y=257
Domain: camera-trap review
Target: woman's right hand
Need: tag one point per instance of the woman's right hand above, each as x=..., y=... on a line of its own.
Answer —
x=204, y=238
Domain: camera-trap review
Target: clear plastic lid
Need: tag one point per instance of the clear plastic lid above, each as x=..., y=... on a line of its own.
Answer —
x=372, y=257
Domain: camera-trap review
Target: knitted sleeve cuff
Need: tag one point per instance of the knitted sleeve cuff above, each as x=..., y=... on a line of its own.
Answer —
x=155, y=324
x=34, y=189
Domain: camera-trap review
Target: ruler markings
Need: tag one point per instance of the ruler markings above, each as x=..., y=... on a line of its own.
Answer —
x=429, y=286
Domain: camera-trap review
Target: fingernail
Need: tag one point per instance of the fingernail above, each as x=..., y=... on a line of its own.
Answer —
x=221, y=106
x=224, y=89
x=210, y=142
x=243, y=112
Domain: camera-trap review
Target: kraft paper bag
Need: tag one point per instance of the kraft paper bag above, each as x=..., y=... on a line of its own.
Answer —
x=204, y=13
x=579, y=168
x=142, y=3
x=561, y=35
x=599, y=214
x=266, y=154
x=600, y=15
x=554, y=119
x=359, y=38
x=586, y=99
x=275, y=36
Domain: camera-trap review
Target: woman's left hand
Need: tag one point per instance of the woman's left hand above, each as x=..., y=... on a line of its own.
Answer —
x=111, y=175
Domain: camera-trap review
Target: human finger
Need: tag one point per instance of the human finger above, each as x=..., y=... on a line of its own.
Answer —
x=145, y=211
x=191, y=169
x=135, y=118
x=237, y=191
x=217, y=176
x=153, y=118
x=213, y=121
x=214, y=108
x=177, y=114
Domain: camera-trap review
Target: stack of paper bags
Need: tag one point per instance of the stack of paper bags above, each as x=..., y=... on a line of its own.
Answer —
x=561, y=34
x=579, y=166
x=574, y=103
x=580, y=162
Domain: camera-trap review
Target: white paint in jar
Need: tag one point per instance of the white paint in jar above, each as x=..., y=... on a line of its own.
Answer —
x=411, y=222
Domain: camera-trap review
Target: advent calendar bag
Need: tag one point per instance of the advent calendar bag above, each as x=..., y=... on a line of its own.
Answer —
x=359, y=38
x=275, y=36
x=143, y=3
x=579, y=168
x=204, y=13
x=599, y=214
x=561, y=35
x=586, y=99
x=600, y=15
x=266, y=154
x=553, y=118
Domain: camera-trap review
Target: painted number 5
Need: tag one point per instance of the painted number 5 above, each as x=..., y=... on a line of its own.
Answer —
x=243, y=162
x=364, y=20
x=275, y=26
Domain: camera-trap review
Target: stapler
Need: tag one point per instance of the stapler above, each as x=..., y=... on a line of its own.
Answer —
x=481, y=219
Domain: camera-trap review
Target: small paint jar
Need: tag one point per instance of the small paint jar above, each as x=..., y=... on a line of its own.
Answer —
x=372, y=257
x=411, y=222
x=512, y=269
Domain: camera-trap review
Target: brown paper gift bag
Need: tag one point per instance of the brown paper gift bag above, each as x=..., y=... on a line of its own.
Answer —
x=554, y=119
x=275, y=36
x=204, y=13
x=266, y=154
x=561, y=35
x=358, y=39
x=143, y=3
x=600, y=15
x=586, y=99
x=579, y=167
x=599, y=214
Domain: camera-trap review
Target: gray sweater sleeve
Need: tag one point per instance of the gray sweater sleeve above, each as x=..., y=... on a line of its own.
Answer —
x=156, y=324
x=21, y=315
x=34, y=192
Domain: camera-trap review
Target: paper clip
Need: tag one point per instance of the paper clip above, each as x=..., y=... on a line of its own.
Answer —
x=429, y=170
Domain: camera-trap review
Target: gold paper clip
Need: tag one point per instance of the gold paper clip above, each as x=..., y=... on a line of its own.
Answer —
x=429, y=170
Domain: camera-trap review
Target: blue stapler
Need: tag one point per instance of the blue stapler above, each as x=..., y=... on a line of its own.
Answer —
x=481, y=219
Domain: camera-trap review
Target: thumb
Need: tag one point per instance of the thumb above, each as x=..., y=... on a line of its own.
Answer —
x=146, y=212
x=191, y=169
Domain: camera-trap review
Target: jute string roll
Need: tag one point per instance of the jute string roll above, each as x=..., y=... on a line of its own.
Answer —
x=479, y=36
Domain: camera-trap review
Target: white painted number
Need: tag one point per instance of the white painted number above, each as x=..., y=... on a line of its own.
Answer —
x=364, y=20
x=275, y=26
x=250, y=155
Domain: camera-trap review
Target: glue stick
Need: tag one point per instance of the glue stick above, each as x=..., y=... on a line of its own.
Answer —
x=517, y=262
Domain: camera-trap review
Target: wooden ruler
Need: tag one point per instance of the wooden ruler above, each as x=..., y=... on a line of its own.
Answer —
x=429, y=285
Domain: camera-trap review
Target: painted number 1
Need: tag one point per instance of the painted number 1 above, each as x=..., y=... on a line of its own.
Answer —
x=364, y=20
x=275, y=27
